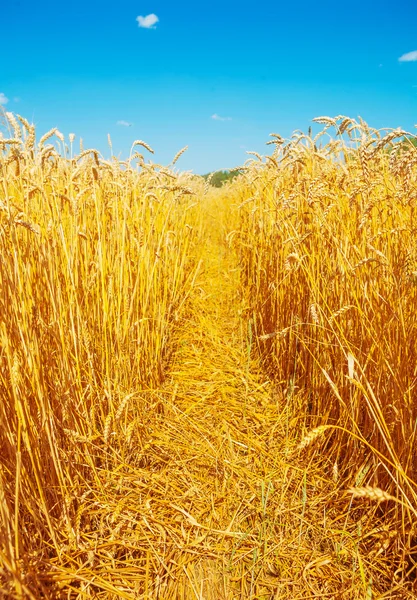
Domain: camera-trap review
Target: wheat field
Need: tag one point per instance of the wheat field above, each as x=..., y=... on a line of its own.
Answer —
x=209, y=393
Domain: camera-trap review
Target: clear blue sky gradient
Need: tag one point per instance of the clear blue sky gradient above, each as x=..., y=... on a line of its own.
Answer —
x=268, y=67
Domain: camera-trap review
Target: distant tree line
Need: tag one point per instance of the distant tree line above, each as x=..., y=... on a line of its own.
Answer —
x=218, y=178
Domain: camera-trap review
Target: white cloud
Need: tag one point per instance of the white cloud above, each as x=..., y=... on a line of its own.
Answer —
x=124, y=123
x=3, y=99
x=16, y=99
x=409, y=57
x=147, y=22
x=217, y=117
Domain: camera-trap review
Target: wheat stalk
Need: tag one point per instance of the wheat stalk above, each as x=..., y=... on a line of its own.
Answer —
x=144, y=144
x=179, y=154
x=372, y=493
x=312, y=436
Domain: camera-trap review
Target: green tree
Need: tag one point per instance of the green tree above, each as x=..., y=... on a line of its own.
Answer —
x=218, y=178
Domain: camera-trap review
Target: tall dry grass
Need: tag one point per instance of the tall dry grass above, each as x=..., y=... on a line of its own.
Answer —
x=97, y=261
x=328, y=248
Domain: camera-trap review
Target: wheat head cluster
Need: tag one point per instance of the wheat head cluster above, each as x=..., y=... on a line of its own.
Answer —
x=329, y=256
x=99, y=261
x=328, y=248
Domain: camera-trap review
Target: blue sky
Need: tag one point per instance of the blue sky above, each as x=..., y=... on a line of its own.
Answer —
x=257, y=68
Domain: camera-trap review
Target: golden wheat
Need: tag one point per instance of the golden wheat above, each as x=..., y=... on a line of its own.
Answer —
x=163, y=344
